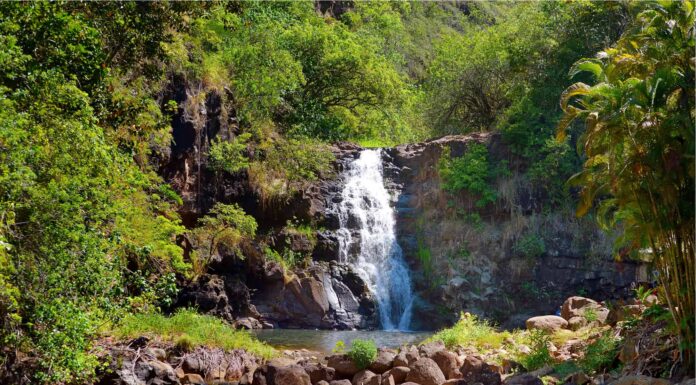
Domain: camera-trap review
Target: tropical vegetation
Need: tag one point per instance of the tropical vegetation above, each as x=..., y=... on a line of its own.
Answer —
x=91, y=239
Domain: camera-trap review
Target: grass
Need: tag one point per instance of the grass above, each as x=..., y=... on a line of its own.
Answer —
x=481, y=335
x=470, y=331
x=193, y=328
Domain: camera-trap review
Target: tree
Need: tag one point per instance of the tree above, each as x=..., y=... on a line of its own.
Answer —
x=639, y=143
x=225, y=226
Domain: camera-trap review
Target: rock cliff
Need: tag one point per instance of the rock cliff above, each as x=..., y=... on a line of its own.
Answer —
x=462, y=258
x=478, y=263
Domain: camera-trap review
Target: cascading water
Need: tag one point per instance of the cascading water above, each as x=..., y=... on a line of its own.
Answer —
x=366, y=206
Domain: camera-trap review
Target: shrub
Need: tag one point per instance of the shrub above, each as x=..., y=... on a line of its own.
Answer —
x=425, y=257
x=470, y=331
x=287, y=166
x=590, y=315
x=530, y=246
x=227, y=226
x=288, y=258
x=339, y=347
x=363, y=352
x=229, y=155
x=184, y=343
x=471, y=172
x=600, y=354
x=540, y=354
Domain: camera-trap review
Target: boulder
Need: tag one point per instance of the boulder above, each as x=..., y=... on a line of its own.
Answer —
x=193, y=379
x=640, y=380
x=362, y=377
x=572, y=306
x=259, y=376
x=318, y=372
x=157, y=353
x=193, y=363
x=475, y=370
x=142, y=372
x=340, y=382
x=343, y=365
x=455, y=381
x=383, y=362
x=400, y=359
x=163, y=371
x=247, y=323
x=549, y=323
x=375, y=380
x=577, y=306
x=575, y=323
x=290, y=375
x=651, y=300
x=523, y=379
x=322, y=383
x=398, y=372
x=429, y=349
x=425, y=372
x=323, y=295
x=447, y=362
x=412, y=355
x=388, y=380
x=578, y=378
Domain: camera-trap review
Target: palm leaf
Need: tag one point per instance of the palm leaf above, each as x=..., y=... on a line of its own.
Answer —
x=589, y=65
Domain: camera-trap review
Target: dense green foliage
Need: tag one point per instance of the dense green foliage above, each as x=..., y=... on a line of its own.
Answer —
x=85, y=232
x=600, y=354
x=90, y=233
x=362, y=352
x=225, y=226
x=471, y=172
x=186, y=327
x=639, y=143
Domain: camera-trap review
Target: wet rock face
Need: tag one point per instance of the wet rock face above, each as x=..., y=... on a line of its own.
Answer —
x=224, y=296
x=323, y=296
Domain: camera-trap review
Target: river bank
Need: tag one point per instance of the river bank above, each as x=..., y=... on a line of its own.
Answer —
x=588, y=344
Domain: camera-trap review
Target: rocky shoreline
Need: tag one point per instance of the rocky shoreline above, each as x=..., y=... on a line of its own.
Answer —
x=144, y=362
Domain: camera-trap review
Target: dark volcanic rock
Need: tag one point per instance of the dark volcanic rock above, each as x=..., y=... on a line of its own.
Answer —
x=318, y=297
x=476, y=370
x=344, y=366
x=425, y=372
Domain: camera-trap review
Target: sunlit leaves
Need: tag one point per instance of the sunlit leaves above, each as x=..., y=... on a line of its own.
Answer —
x=639, y=139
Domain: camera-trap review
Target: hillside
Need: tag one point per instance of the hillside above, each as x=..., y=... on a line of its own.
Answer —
x=156, y=156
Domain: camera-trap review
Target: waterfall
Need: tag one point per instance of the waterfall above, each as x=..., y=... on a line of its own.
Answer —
x=365, y=206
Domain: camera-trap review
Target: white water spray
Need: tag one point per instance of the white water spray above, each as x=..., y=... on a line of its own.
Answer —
x=380, y=261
